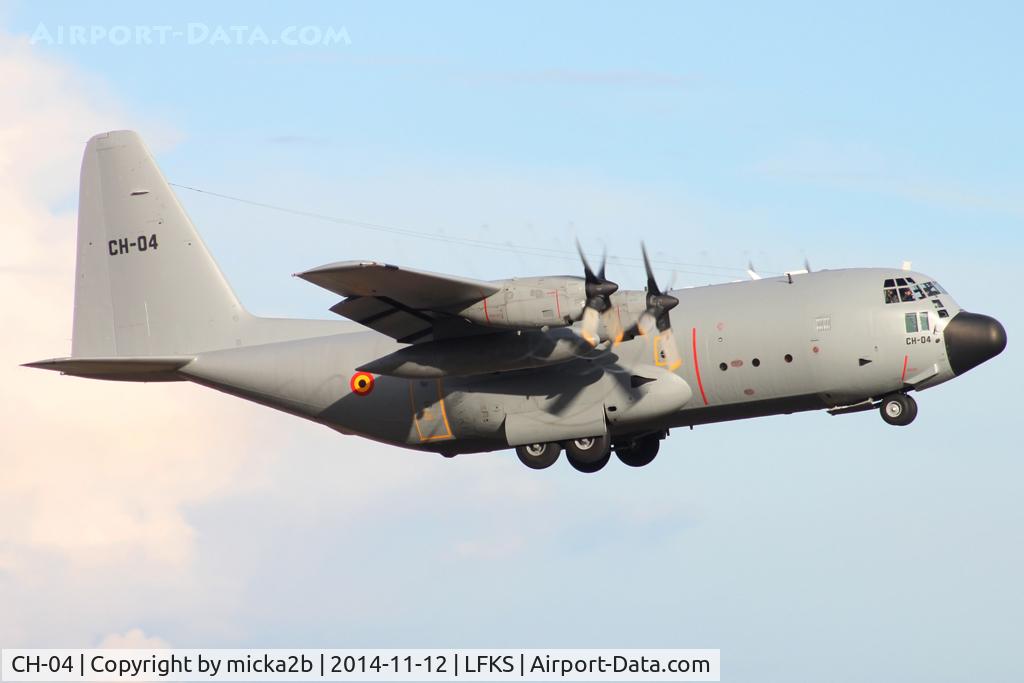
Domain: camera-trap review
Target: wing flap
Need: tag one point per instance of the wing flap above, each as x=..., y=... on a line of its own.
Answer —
x=386, y=317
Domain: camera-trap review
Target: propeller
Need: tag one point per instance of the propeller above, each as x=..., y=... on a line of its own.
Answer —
x=598, y=307
x=655, y=318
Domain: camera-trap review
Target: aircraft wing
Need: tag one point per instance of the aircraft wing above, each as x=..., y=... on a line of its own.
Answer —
x=409, y=305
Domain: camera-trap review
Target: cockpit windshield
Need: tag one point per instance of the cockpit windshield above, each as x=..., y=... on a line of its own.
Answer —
x=905, y=289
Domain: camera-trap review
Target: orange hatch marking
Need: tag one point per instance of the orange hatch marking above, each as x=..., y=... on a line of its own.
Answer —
x=444, y=415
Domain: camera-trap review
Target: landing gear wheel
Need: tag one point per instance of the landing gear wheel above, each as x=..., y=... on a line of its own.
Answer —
x=640, y=452
x=589, y=449
x=588, y=467
x=899, y=410
x=537, y=456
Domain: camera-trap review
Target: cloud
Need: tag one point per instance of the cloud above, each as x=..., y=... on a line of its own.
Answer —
x=298, y=140
x=855, y=167
x=134, y=639
x=111, y=491
x=96, y=476
x=623, y=78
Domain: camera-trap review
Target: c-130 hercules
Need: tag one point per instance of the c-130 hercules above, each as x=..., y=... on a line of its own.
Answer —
x=455, y=365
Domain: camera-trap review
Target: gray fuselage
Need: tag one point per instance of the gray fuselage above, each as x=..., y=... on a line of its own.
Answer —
x=776, y=345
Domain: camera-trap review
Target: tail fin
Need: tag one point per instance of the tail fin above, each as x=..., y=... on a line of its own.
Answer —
x=145, y=285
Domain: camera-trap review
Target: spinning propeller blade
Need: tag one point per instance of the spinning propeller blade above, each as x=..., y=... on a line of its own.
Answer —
x=599, y=307
x=655, y=319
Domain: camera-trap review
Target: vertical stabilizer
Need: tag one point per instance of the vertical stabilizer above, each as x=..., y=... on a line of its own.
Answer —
x=145, y=285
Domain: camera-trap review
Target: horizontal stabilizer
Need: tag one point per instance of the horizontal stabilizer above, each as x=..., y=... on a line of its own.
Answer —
x=123, y=369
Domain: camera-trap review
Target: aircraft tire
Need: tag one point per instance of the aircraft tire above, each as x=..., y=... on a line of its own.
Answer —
x=640, y=452
x=588, y=449
x=898, y=410
x=588, y=467
x=538, y=456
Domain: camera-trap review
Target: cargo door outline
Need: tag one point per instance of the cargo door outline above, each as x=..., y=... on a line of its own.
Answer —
x=426, y=398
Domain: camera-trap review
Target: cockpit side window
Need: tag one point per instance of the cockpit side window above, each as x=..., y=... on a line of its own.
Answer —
x=891, y=297
x=906, y=294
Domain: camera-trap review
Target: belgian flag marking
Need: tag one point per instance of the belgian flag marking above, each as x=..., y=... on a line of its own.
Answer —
x=361, y=383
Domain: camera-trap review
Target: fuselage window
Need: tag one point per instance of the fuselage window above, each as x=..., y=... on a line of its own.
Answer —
x=924, y=322
x=911, y=319
x=891, y=297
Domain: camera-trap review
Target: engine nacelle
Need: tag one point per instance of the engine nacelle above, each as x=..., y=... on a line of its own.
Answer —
x=534, y=302
x=531, y=302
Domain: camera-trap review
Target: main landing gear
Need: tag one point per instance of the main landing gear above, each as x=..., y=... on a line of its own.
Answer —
x=898, y=409
x=538, y=456
x=639, y=452
x=590, y=454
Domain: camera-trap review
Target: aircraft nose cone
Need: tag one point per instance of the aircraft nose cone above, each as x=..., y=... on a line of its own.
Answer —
x=971, y=339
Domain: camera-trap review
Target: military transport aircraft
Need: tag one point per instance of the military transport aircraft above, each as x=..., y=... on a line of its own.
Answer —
x=456, y=365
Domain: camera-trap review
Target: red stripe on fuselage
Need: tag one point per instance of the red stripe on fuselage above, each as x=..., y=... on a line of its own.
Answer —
x=696, y=367
x=558, y=306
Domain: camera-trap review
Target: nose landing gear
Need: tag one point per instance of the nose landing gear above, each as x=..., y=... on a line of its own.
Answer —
x=898, y=409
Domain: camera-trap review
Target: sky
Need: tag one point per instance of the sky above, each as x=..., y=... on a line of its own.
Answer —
x=805, y=547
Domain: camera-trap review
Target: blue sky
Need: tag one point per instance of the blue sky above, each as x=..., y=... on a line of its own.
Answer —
x=805, y=547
